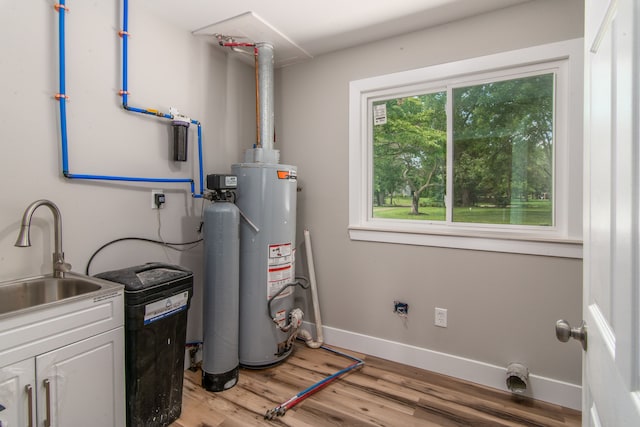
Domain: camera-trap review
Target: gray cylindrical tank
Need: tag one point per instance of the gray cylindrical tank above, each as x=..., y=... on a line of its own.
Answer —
x=266, y=195
x=220, y=364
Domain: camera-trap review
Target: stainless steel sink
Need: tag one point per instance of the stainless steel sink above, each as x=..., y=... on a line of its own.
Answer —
x=59, y=287
x=24, y=294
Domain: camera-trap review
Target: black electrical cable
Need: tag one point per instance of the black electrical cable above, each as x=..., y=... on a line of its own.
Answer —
x=141, y=239
x=296, y=283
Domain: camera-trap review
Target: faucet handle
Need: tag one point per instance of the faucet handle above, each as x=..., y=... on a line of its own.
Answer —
x=59, y=266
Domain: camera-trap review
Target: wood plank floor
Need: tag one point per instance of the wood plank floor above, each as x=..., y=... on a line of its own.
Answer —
x=381, y=393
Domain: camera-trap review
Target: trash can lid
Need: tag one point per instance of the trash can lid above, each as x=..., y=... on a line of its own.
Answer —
x=146, y=275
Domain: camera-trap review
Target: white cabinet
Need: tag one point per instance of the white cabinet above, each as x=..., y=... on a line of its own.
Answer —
x=81, y=384
x=64, y=366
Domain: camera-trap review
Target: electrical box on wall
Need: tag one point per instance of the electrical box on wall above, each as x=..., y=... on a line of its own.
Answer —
x=157, y=199
x=401, y=308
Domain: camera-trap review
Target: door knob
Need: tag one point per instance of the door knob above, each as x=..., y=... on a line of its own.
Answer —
x=564, y=332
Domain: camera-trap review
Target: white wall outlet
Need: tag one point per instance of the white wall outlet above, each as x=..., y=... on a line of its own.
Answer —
x=441, y=317
x=160, y=193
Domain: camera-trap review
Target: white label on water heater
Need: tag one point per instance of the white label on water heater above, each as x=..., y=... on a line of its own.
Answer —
x=281, y=319
x=280, y=269
x=165, y=307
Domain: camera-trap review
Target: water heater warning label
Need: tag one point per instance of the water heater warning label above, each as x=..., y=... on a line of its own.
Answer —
x=280, y=269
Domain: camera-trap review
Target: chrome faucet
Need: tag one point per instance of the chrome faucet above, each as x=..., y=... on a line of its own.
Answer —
x=59, y=266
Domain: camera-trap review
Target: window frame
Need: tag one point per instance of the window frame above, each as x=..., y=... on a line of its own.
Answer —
x=563, y=239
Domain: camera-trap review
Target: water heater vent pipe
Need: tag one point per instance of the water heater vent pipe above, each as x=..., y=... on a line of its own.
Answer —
x=264, y=54
x=263, y=151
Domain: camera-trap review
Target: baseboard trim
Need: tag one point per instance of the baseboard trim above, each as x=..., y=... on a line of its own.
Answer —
x=541, y=388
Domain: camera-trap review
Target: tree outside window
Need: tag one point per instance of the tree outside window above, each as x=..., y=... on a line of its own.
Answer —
x=410, y=158
x=501, y=149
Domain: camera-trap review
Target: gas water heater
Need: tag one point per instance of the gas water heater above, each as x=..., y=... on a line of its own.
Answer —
x=266, y=197
x=264, y=205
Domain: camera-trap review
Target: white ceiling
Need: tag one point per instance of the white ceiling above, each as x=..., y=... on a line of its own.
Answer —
x=318, y=27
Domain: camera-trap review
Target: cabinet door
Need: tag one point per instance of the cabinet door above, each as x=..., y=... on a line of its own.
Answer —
x=18, y=394
x=82, y=384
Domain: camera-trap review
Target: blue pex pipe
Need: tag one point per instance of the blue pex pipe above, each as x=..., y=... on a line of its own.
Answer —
x=281, y=409
x=125, y=51
x=358, y=363
x=62, y=97
x=200, y=171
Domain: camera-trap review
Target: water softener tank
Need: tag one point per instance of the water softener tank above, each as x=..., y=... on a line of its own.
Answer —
x=266, y=196
x=220, y=364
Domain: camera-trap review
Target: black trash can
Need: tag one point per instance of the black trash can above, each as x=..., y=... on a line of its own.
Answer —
x=157, y=298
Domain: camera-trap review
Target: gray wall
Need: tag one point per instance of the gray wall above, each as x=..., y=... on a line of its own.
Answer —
x=501, y=307
x=168, y=67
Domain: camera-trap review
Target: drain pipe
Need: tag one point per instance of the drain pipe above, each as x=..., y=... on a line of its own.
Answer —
x=303, y=334
x=62, y=97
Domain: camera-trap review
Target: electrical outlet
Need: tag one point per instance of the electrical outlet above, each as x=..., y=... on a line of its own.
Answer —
x=441, y=317
x=401, y=308
x=157, y=199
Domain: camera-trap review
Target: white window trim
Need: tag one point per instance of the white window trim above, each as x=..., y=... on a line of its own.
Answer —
x=562, y=240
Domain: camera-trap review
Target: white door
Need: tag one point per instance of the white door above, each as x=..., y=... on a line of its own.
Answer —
x=82, y=384
x=611, y=365
x=18, y=394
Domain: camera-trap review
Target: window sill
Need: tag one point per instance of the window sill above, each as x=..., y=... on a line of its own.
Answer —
x=515, y=243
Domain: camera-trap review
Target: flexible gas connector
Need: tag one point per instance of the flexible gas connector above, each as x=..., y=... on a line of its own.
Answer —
x=281, y=409
x=278, y=411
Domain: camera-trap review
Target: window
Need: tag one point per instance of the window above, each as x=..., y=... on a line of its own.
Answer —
x=481, y=154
